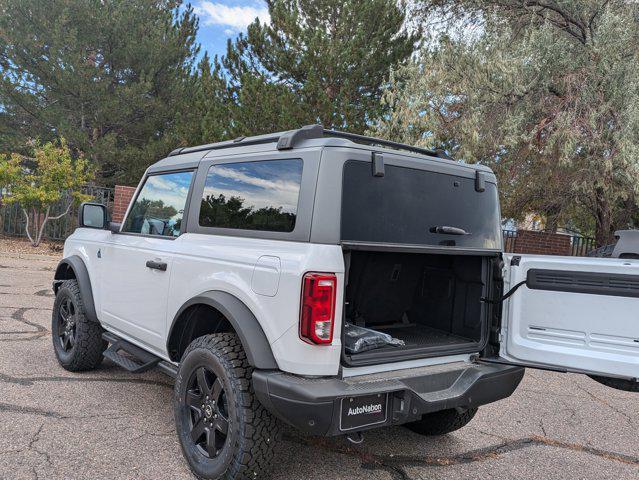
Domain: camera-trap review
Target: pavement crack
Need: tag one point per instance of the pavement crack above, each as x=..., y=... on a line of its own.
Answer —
x=607, y=404
x=29, y=308
x=8, y=407
x=35, y=439
x=541, y=425
x=396, y=464
x=11, y=408
x=29, y=381
x=18, y=316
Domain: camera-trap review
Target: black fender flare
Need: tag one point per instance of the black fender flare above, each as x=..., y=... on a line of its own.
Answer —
x=75, y=263
x=256, y=345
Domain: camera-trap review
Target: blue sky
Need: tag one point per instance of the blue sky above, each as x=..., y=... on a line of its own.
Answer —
x=223, y=19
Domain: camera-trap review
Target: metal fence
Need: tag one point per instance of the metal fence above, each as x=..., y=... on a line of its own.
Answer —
x=580, y=246
x=12, y=220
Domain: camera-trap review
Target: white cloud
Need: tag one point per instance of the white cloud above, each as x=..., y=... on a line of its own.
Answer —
x=270, y=193
x=234, y=18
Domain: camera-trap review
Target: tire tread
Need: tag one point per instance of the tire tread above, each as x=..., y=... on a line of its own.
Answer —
x=255, y=446
x=89, y=345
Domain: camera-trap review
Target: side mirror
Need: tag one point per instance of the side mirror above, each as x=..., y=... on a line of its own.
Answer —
x=92, y=215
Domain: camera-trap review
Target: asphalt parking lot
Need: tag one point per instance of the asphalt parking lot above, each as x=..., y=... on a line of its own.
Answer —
x=111, y=424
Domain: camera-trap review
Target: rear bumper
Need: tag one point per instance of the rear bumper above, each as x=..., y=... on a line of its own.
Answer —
x=314, y=405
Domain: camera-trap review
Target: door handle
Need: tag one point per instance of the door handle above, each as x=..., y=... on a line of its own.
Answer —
x=156, y=265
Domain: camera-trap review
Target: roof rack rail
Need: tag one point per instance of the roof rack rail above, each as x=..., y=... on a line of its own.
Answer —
x=386, y=143
x=228, y=144
x=287, y=140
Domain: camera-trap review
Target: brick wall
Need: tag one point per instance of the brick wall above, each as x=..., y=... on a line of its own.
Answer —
x=541, y=243
x=121, y=199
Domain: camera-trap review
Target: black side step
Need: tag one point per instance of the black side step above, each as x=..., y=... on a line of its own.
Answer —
x=141, y=361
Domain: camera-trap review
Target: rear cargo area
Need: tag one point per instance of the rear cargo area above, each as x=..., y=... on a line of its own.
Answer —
x=432, y=302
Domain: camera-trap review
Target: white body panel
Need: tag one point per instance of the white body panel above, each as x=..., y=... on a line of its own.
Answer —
x=135, y=296
x=140, y=304
x=217, y=262
x=582, y=332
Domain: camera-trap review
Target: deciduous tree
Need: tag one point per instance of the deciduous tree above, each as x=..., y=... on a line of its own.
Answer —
x=544, y=92
x=52, y=176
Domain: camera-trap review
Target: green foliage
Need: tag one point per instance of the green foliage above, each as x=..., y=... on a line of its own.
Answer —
x=317, y=61
x=546, y=93
x=231, y=213
x=207, y=116
x=116, y=78
x=108, y=75
x=53, y=176
x=10, y=170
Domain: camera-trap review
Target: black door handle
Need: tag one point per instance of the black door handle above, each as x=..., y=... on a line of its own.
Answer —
x=156, y=265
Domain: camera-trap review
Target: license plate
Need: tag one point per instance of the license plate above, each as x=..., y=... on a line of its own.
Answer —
x=358, y=412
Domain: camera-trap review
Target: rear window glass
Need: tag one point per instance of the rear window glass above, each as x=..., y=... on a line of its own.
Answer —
x=260, y=195
x=406, y=205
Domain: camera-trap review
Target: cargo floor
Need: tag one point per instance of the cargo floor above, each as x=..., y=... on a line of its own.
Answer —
x=422, y=336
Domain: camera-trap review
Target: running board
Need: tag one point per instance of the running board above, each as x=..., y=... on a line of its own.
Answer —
x=137, y=360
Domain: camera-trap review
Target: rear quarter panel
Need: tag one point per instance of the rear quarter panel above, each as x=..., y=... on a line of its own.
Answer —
x=206, y=262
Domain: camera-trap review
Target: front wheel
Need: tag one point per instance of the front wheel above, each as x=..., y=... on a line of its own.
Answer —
x=223, y=430
x=77, y=341
x=442, y=422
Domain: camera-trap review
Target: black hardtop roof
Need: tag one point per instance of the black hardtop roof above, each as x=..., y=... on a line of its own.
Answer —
x=289, y=139
x=187, y=157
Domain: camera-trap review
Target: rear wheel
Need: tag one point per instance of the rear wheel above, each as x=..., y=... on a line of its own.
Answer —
x=443, y=422
x=77, y=341
x=223, y=430
x=618, y=383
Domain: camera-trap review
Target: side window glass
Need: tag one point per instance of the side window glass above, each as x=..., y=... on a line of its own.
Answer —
x=260, y=195
x=159, y=208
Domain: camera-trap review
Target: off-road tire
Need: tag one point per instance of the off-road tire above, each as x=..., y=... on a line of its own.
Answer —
x=617, y=383
x=88, y=346
x=249, y=446
x=443, y=422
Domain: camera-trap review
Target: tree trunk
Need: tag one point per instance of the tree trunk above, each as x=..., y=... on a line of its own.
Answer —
x=552, y=218
x=604, y=229
x=44, y=224
x=46, y=219
x=26, y=226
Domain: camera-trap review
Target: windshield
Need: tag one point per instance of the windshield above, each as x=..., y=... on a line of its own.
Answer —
x=418, y=207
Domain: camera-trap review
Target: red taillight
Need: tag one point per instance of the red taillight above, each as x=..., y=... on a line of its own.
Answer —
x=318, y=307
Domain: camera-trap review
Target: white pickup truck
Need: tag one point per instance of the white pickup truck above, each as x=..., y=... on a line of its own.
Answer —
x=334, y=282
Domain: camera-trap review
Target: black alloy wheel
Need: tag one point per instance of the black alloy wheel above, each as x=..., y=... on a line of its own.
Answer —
x=224, y=431
x=208, y=412
x=77, y=341
x=66, y=324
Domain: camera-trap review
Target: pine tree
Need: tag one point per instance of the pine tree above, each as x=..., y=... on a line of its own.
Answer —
x=108, y=75
x=317, y=61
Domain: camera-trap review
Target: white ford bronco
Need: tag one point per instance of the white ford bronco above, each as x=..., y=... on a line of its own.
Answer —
x=334, y=282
